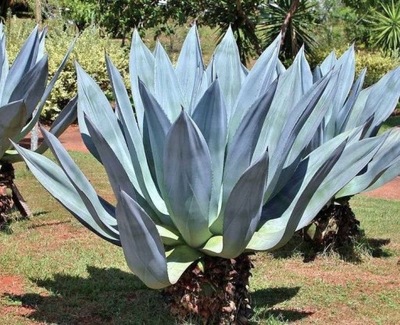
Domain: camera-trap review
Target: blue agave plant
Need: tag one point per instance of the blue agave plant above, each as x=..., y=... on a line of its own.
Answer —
x=23, y=93
x=213, y=164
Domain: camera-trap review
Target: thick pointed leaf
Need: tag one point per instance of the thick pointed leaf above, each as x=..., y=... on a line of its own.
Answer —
x=92, y=201
x=24, y=62
x=241, y=148
x=58, y=185
x=36, y=116
x=66, y=117
x=179, y=259
x=167, y=89
x=141, y=66
x=256, y=83
x=227, y=67
x=190, y=68
x=134, y=140
x=12, y=118
x=156, y=125
x=188, y=180
x=3, y=65
x=119, y=179
x=296, y=81
x=32, y=86
x=143, y=249
x=243, y=210
x=386, y=156
x=211, y=118
x=93, y=102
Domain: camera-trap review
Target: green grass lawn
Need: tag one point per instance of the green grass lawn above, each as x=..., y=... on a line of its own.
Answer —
x=54, y=271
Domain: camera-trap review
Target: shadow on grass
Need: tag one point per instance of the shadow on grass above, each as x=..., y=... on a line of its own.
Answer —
x=352, y=253
x=111, y=296
x=105, y=296
x=266, y=299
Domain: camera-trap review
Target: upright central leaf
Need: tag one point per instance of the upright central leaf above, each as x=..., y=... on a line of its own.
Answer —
x=188, y=180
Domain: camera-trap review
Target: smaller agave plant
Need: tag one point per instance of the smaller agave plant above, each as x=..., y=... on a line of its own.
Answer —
x=23, y=93
x=353, y=107
x=206, y=169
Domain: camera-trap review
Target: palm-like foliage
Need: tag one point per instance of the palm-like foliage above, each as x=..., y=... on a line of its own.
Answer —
x=207, y=149
x=298, y=32
x=385, y=31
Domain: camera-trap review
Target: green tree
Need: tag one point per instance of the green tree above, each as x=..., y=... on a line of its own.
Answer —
x=295, y=20
x=385, y=32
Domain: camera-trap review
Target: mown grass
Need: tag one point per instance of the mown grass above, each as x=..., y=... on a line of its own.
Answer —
x=63, y=274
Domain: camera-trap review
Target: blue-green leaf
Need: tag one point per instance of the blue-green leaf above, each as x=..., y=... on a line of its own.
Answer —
x=227, y=67
x=256, y=83
x=190, y=68
x=93, y=102
x=141, y=66
x=243, y=209
x=143, y=249
x=134, y=140
x=58, y=185
x=167, y=89
x=31, y=87
x=156, y=126
x=211, y=118
x=24, y=62
x=94, y=204
x=188, y=180
x=12, y=118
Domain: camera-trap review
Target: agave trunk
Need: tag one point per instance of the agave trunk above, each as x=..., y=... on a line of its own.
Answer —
x=335, y=226
x=9, y=194
x=215, y=291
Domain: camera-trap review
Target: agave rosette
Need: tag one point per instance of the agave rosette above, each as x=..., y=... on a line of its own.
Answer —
x=354, y=106
x=23, y=93
x=207, y=149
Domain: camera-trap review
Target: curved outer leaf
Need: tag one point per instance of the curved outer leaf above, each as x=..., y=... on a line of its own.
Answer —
x=243, y=210
x=303, y=117
x=3, y=62
x=119, y=178
x=346, y=110
x=323, y=173
x=227, y=67
x=296, y=81
x=188, y=180
x=179, y=259
x=12, y=118
x=134, y=140
x=241, y=148
x=211, y=118
x=24, y=62
x=345, y=72
x=94, y=204
x=143, y=249
x=156, y=127
x=31, y=86
x=141, y=66
x=387, y=155
x=383, y=95
x=28, y=127
x=58, y=185
x=190, y=69
x=92, y=101
x=167, y=89
x=256, y=82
